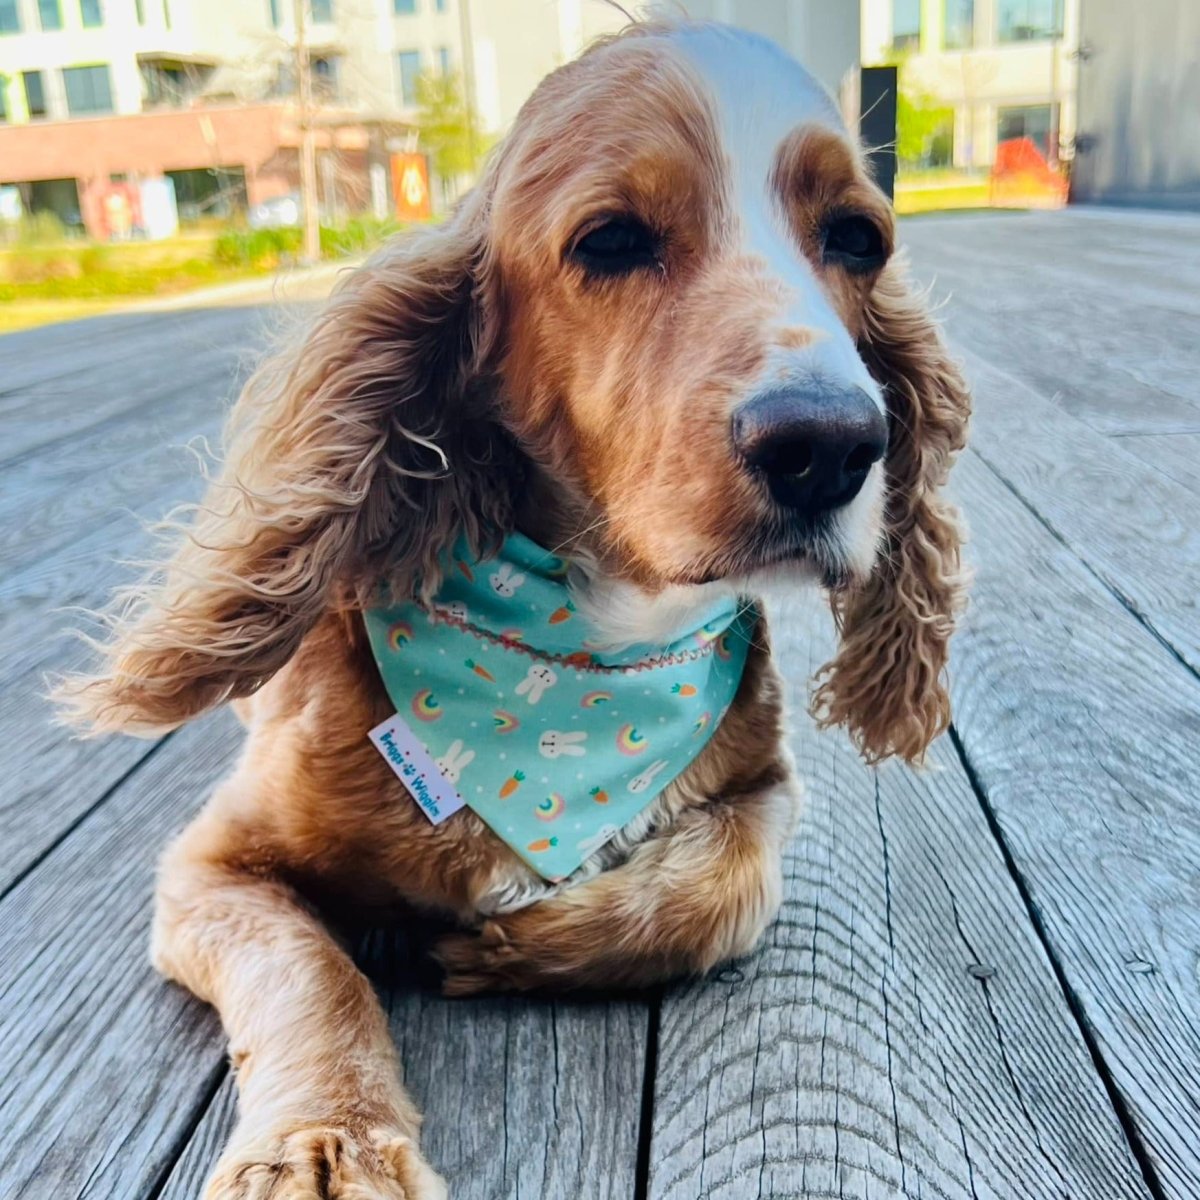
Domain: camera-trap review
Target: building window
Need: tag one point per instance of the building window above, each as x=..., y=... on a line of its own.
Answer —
x=325, y=77
x=321, y=11
x=140, y=8
x=90, y=13
x=1032, y=121
x=443, y=55
x=409, y=62
x=958, y=30
x=35, y=93
x=50, y=14
x=88, y=90
x=404, y=8
x=10, y=17
x=906, y=24
x=1028, y=20
x=273, y=5
x=440, y=5
x=167, y=14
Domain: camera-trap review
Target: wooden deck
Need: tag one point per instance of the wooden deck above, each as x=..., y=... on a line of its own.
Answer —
x=985, y=981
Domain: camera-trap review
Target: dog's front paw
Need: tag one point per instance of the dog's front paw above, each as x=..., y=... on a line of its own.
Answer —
x=486, y=961
x=326, y=1164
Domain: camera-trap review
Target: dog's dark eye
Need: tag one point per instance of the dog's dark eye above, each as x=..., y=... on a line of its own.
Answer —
x=616, y=247
x=854, y=243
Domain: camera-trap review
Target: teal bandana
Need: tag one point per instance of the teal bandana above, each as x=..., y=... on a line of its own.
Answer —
x=505, y=704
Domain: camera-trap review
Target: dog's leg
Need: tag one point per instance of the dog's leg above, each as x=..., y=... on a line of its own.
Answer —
x=321, y=1109
x=700, y=893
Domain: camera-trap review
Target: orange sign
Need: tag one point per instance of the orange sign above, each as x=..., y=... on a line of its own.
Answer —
x=410, y=187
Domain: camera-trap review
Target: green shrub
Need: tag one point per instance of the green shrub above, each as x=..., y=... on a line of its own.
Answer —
x=37, y=229
x=258, y=248
x=264, y=249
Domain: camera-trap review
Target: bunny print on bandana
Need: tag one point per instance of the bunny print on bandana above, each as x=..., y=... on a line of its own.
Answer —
x=455, y=760
x=538, y=679
x=553, y=744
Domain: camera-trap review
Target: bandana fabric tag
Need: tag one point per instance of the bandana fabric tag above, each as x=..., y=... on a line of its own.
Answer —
x=403, y=752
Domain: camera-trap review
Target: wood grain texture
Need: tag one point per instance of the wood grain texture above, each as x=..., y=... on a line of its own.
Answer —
x=49, y=771
x=101, y=372
x=202, y=1149
x=901, y=1033
x=1098, y=314
x=1139, y=531
x=1085, y=736
x=1177, y=456
x=521, y=1096
x=524, y=1097
x=103, y=1066
x=37, y=521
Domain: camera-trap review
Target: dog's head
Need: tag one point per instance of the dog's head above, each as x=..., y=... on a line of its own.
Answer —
x=666, y=331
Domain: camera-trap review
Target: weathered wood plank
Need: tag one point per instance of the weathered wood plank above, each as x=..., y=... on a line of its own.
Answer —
x=1084, y=734
x=48, y=422
x=51, y=779
x=524, y=1097
x=902, y=1032
x=58, y=363
x=48, y=771
x=166, y=474
x=1177, y=456
x=521, y=1097
x=103, y=1067
x=193, y=1166
x=1023, y=296
x=1136, y=529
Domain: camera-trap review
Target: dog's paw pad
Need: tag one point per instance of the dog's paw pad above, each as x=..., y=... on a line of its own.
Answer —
x=326, y=1164
x=476, y=962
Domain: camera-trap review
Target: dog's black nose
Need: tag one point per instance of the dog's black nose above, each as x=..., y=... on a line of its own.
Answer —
x=814, y=446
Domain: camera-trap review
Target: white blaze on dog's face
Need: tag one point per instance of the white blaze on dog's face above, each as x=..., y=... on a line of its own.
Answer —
x=684, y=240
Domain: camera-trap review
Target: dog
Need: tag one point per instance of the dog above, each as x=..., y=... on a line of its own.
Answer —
x=665, y=336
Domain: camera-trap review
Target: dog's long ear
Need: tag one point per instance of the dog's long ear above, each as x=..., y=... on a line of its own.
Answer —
x=351, y=460
x=886, y=683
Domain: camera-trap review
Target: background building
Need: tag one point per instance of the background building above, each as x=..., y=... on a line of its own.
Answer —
x=98, y=96
x=1002, y=69
x=821, y=34
x=1139, y=103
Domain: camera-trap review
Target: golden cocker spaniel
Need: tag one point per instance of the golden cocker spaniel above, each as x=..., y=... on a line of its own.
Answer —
x=663, y=335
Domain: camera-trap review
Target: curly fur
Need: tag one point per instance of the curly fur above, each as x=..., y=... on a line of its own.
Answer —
x=351, y=460
x=886, y=683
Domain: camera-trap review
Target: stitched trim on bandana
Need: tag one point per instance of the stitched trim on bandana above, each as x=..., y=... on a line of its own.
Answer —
x=575, y=660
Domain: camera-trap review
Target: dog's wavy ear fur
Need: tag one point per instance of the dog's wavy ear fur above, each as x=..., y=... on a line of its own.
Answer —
x=352, y=458
x=886, y=683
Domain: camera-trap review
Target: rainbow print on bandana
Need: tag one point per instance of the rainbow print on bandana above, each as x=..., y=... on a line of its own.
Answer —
x=701, y=723
x=594, y=699
x=425, y=707
x=629, y=741
x=551, y=807
x=708, y=634
x=505, y=722
x=399, y=635
x=722, y=649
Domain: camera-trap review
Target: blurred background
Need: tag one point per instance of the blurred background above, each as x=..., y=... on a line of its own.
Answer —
x=156, y=146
